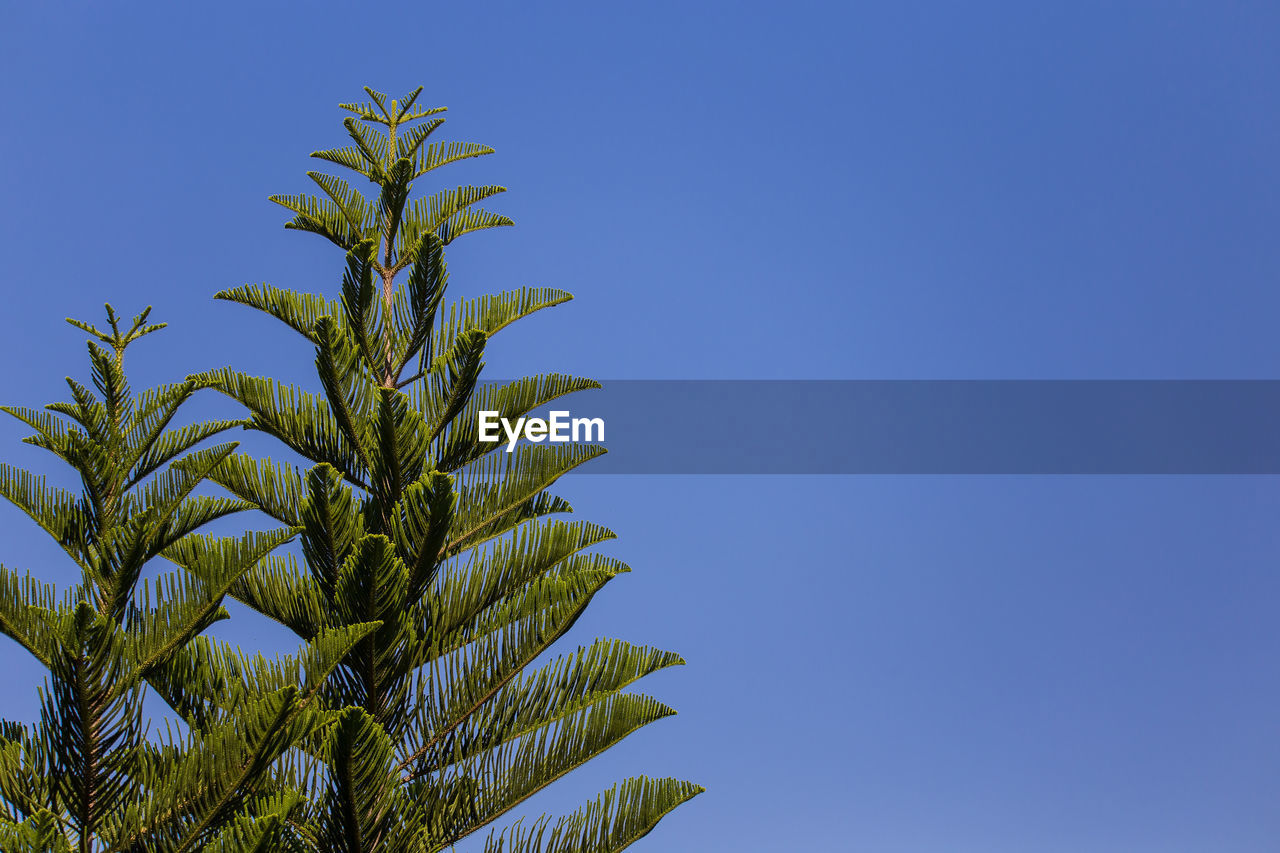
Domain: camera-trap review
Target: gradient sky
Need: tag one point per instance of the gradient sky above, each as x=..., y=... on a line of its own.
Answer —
x=745, y=190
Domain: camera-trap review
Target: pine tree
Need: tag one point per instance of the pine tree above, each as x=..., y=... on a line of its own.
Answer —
x=450, y=713
x=87, y=777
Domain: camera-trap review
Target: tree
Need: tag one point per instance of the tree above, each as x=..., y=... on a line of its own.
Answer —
x=86, y=777
x=448, y=715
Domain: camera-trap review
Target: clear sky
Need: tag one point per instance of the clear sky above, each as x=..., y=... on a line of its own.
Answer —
x=742, y=190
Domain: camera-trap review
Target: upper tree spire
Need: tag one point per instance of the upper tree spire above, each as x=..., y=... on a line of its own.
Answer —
x=452, y=715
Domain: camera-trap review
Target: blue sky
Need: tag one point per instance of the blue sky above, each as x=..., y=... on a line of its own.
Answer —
x=887, y=190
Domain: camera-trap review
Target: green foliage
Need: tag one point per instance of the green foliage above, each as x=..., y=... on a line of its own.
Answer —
x=391, y=161
x=431, y=581
x=446, y=721
x=86, y=777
